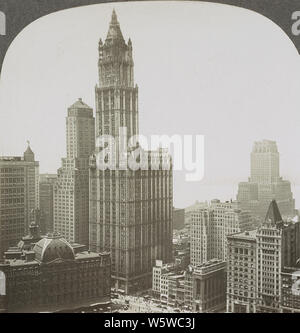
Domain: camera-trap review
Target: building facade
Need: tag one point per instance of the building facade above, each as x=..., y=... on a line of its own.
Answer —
x=19, y=196
x=159, y=279
x=209, y=287
x=130, y=209
x=290, y=289
x=242, y=272
x=48, y=274
x=259, y=264
x=188, y=211
x=210, y=226
x=181, y=248
x=265, y=183
x=197, y=289
x=46, y=188
x=71, y=190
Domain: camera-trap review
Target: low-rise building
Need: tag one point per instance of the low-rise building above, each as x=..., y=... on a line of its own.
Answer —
x=199, y=289
x=175, y=289
x=209, y=287
x=159, y=278
x=181, y=248
x=48, y=274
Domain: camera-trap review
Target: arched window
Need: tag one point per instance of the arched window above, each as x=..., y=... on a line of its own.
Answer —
x=2, y=284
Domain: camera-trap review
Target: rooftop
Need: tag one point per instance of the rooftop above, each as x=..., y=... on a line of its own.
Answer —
x=251, y=234
x=114, y=31
x=273, y=216
x=53, y=247
x=79, y=104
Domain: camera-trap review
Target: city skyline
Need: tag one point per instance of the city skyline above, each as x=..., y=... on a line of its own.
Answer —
x=155, y=119
x=104, y=234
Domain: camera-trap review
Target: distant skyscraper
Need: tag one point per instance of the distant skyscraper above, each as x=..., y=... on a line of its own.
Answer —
x=130, y=210
x=188, y=211
x=265, y=183
x=210, y=226
x=47, y=182
x=71, y=191
x=19, y=196
x=264, y=162
x=255, y=263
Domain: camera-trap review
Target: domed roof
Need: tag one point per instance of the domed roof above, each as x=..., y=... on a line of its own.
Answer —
x=79, y=104
x=53, y=247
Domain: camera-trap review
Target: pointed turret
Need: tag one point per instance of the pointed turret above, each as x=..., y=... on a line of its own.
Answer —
x=114, y=18
x=114, y=31
x=34, y=230
x=115, y=58
x=79, y=104
x=273, y=216
x=28, y=154
x=100, y=44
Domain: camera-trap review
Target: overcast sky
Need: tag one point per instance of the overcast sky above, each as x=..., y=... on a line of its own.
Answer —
x=221, y=71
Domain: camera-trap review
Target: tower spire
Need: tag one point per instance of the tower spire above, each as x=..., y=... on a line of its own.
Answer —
x=114, y=18
x=273, y=216
x=28, y=154
x=114, y=31
x=115, y=58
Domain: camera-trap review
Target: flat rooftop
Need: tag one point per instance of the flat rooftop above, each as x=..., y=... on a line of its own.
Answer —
x=251, y=234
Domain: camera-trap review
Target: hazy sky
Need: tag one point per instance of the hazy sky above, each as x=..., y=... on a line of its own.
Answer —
x=221, y=71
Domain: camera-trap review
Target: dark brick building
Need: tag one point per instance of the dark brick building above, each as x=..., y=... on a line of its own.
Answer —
x=48, y=274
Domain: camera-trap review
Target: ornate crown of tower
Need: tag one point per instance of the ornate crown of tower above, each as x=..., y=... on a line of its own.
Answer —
x=116, y=95
x=115, y=58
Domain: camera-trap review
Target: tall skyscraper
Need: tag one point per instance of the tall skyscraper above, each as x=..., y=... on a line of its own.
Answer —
x=210, y=226
x=47, y=182
x=19, y=196
x=255, y=263
x=265, y=183
x=71, y=191
x=130, y=210
x=264, y=162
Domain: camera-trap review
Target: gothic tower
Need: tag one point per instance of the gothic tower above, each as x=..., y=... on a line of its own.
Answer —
x=130, y=210
x=116, y=96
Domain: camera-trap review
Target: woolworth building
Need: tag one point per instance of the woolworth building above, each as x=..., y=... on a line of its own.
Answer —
x=130, y=211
